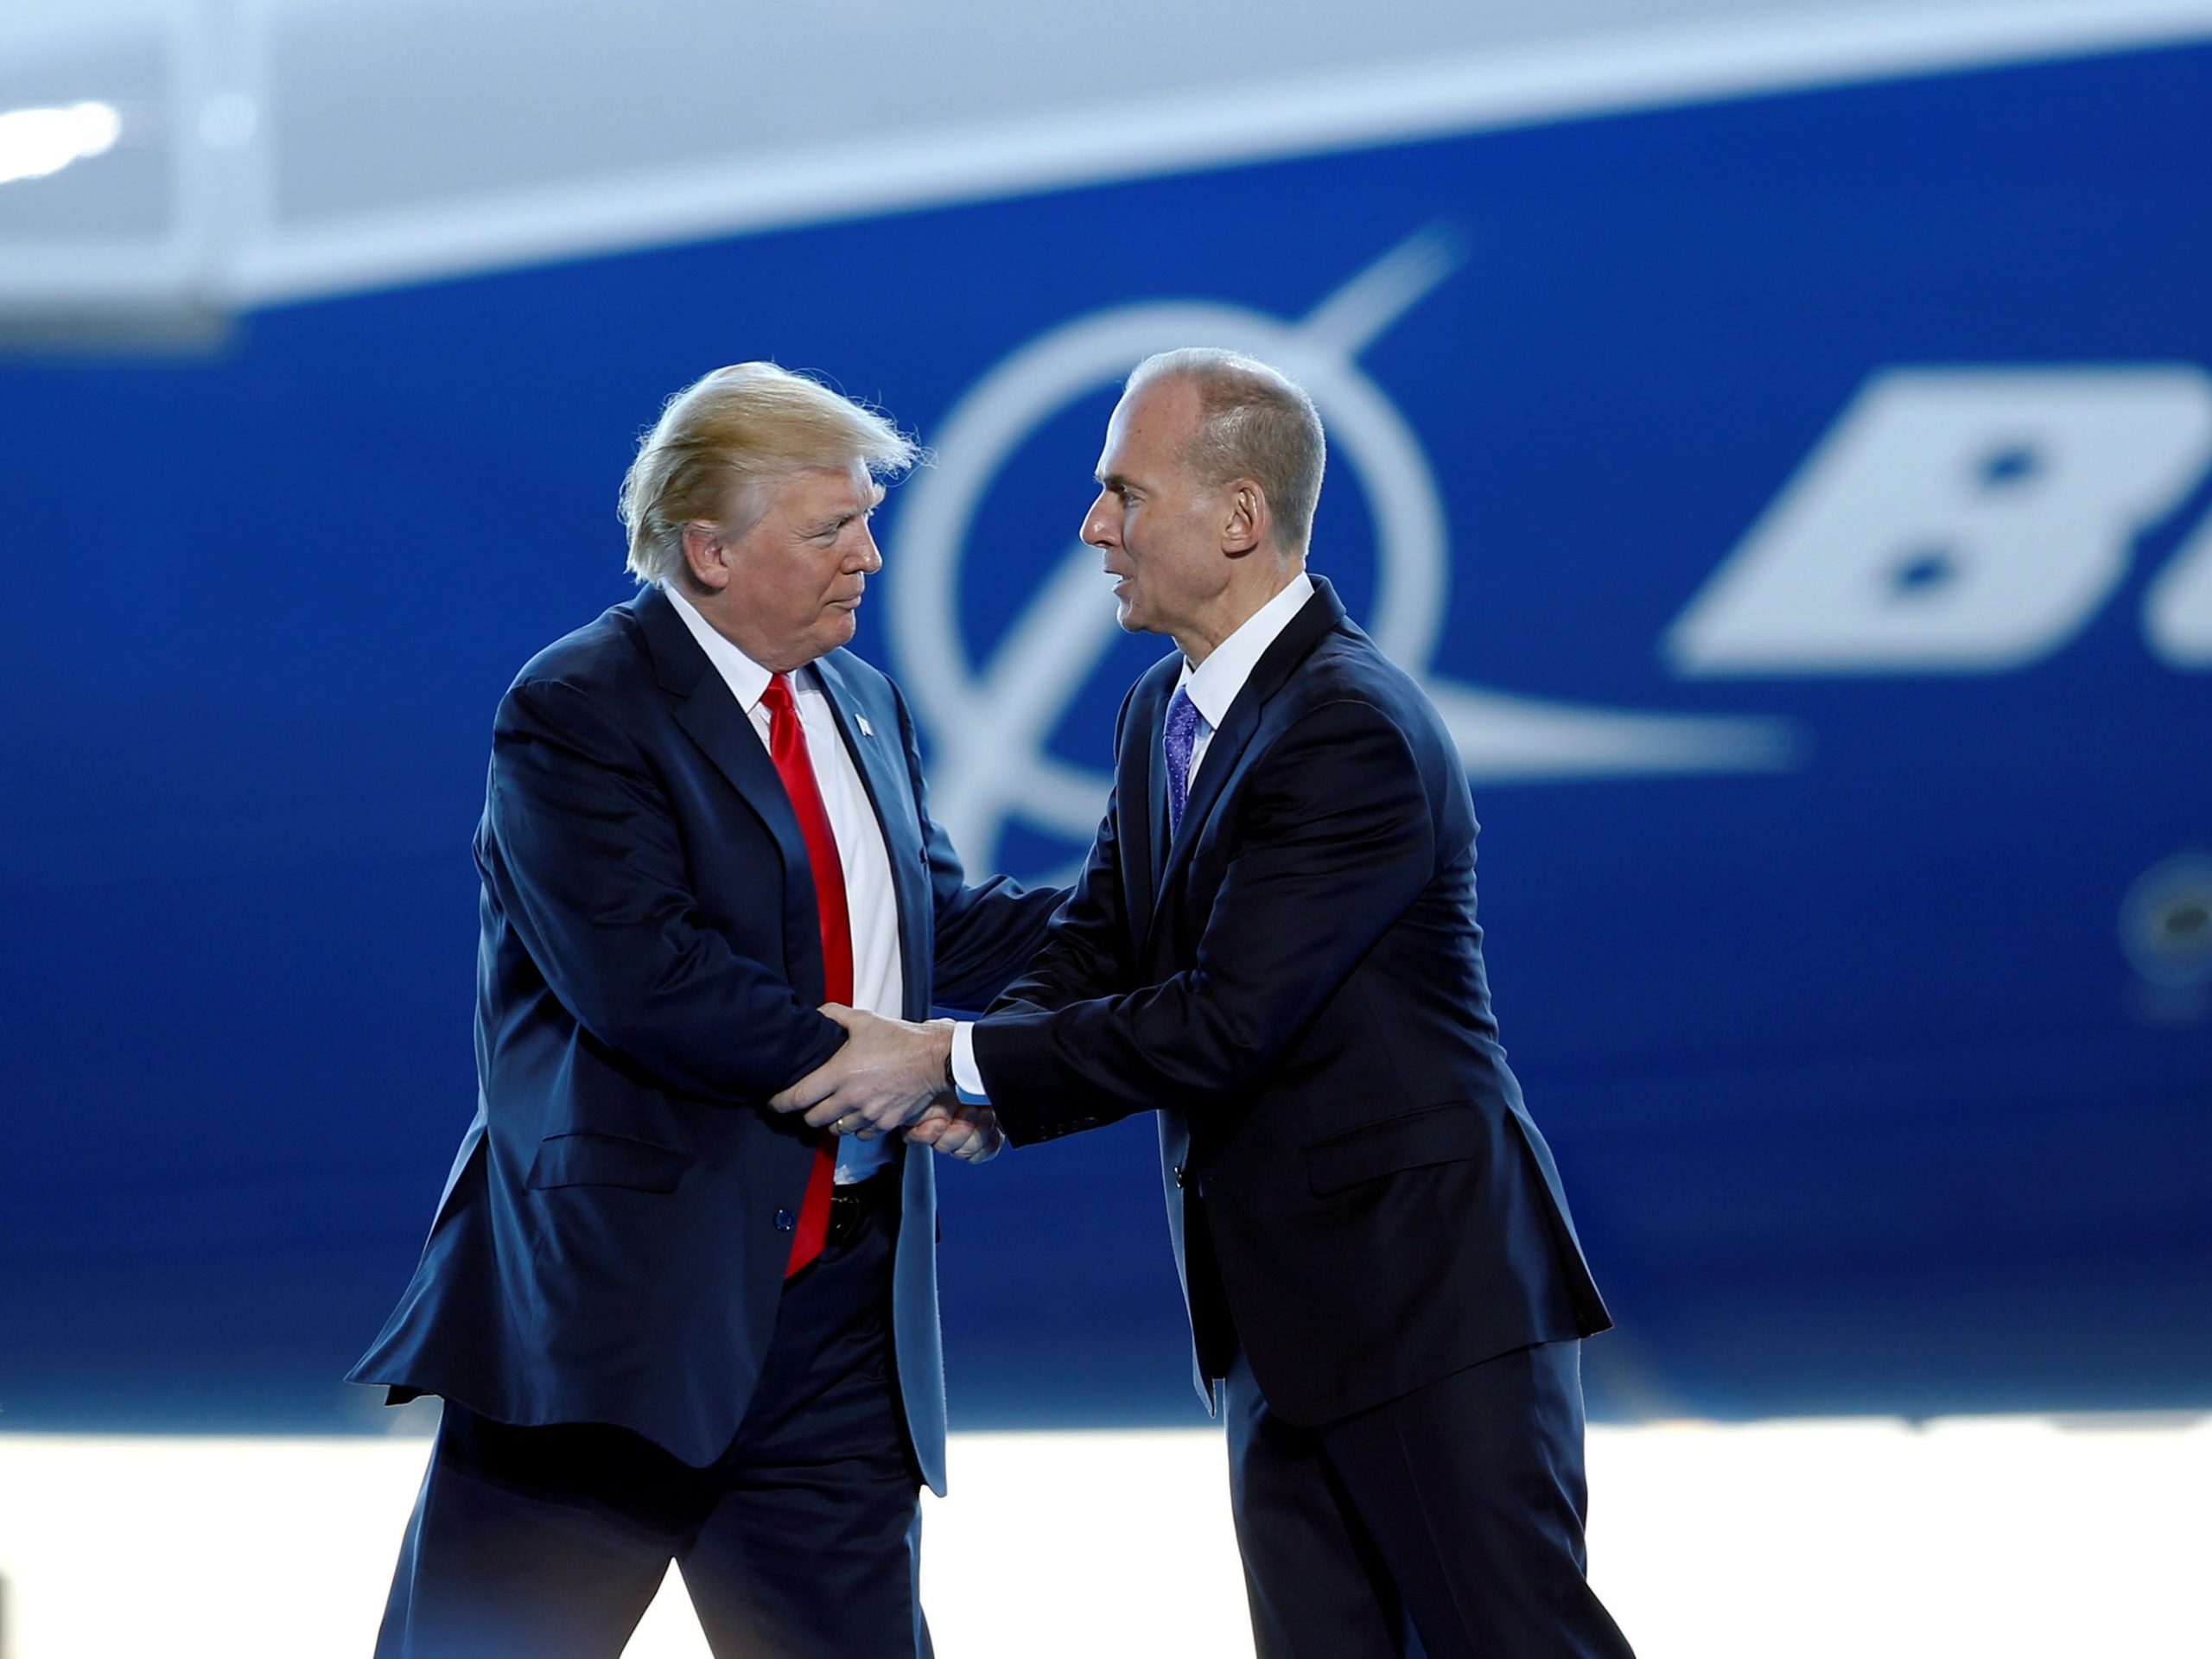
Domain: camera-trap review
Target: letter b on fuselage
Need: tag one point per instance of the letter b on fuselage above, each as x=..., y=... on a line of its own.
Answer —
x=1954, y=522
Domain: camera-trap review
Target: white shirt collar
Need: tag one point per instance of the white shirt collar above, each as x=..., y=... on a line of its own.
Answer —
x=746, y=679
x=1214, y=683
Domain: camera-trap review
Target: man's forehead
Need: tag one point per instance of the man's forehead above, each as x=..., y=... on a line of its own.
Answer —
x=1166, y=400
x=833, y=485
x=1146, y=427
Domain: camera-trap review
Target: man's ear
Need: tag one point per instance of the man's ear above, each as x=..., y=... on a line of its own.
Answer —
x=706, y=554
x=1246, y=527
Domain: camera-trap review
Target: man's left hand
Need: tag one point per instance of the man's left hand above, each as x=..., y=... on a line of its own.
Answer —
x=883, y=1078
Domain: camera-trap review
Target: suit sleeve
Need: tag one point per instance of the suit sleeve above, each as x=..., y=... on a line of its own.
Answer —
x=1086, y=952
x=1334, y=841
x=982, y=935
x=584, y=855
x=1083, y=952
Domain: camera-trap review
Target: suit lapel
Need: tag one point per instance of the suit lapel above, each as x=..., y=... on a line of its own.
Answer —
x=725, y=733
x=1234, y=735
x=883, y=773
x=1140, y=789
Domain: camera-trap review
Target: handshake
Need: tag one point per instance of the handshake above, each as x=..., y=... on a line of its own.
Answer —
x=893, y=1077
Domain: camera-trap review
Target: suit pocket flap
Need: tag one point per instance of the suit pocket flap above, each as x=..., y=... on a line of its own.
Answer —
x=585, y=1159
x=1435, y=1134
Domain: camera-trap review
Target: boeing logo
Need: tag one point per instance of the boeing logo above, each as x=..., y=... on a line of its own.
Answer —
x=1953, y=521
x=991, y=723
x=1968, y=521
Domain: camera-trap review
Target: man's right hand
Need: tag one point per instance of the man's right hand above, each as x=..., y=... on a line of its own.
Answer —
x=970, y=1133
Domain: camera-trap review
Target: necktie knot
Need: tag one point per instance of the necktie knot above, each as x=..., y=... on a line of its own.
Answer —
x=1179, y=740
x=777, y=697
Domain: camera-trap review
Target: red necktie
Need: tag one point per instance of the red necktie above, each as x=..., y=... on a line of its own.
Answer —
x=787, y=747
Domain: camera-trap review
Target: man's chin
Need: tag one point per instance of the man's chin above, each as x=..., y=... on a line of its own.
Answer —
x=836, y=628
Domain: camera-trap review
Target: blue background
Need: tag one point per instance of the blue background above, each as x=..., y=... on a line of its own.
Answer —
x=1857, y=1096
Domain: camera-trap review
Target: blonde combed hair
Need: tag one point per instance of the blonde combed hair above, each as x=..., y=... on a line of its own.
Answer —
x=729, y=433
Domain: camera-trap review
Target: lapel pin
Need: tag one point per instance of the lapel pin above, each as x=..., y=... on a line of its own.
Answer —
x=866, y=730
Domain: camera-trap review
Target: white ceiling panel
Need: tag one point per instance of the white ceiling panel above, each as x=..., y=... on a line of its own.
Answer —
x=279, y=148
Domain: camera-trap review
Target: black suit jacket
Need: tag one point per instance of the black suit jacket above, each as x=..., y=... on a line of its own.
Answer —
x=610, y=1244
x=1296, y=984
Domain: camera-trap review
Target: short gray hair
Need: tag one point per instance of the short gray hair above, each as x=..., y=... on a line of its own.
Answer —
x=1254, y=422
x=727, y=433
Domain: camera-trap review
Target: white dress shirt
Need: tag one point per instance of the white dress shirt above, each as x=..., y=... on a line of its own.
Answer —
x=879, y=977
x=1212, y=687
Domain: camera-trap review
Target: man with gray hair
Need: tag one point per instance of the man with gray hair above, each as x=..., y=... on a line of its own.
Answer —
x=667, y=1323
x=1273, y=944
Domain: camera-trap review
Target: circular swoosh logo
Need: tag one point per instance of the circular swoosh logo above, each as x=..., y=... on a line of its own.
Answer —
x=990, y=724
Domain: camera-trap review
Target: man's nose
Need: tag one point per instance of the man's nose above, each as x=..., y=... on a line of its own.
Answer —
x=871, y=556
x=1101, y=525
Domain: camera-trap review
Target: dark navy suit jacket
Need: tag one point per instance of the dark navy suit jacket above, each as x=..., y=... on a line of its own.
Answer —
x=610, y=1244
x=1354, y=1188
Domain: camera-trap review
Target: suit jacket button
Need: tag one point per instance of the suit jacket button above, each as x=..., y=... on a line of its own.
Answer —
x=1178, y=1175
x=785, y=1221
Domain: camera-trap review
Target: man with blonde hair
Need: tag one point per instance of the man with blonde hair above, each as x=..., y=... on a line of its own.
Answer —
x=667, y=1323
x=1273, y=944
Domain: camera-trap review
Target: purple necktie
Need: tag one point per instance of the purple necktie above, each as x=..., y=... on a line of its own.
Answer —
x=1182, y=732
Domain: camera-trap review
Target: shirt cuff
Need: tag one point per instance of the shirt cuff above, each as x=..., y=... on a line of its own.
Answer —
x=967, y=1077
